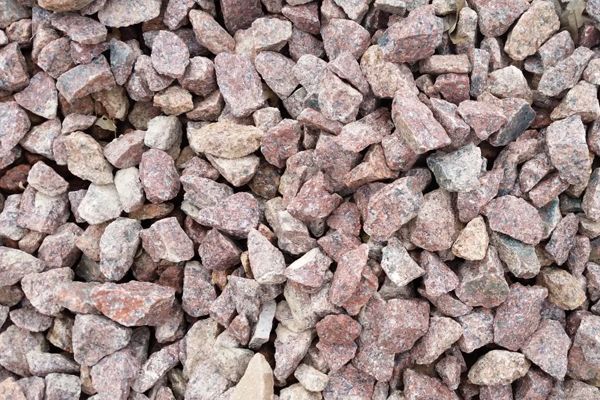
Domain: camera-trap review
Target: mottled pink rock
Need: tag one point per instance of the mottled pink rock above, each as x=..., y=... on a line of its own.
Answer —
x=239, y=83
x=198, y=291
x=418, y=386
x=85, y=79
x=338, y=329
x=15, y=122
x=281, y=142
x=42, y=213
x=349, y=382
x=371, y=129
x=314, y=200
x=15, y=264
x=402, y=322
x=266, y=261
x=40, y=96
x=310, y=269
x=342, y=35
x=435, y=227
x=516, y=218
x=45, y=180
x=477, y=329
x=439, y=278
x=80, y=29
x=209, y=33
x=348, y=274
x=224, y=139
x=391, y=207
x=159, y=176
x=416, y=124
x=218, y=252
x=337, y=100
x=95, y=337
x=518, y=317
x=120, y=13
x=14, y=75
x=548, y=348
x=58, y=250
x=482, y=283
x=567, y=147
x=126, y=150
x=134, y=303
x=170, y=55
x=166, y=240
x=415, y=38
x=241, y=205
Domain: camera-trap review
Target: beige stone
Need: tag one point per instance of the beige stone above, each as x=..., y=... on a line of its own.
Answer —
x=472, y=242
x=257, y=382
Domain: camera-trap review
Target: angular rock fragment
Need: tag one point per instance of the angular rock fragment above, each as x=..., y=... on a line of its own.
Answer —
x=225, y=139
x=166, y=240
x=40, y=96
x=565, y=140
x=415, y=38
x=498, y=367
x=548, y=348
x=95, y=337
x=85, y=79
x=120, y=13
x=239, y=83
x=533, y=28
x=134, y=303
x=516, y=218
x=398, y=265
x=416, y=124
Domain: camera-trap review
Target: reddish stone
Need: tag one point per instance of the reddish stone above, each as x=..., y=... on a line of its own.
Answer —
x=414, y=38
x=134, y=303
x=516, y=218
x=159, y=176
x=518, y=317
x=416, y=124
x=85, y=79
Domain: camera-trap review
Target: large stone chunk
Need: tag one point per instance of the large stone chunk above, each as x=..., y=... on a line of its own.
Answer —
x=15, y=124
x=518, y=317
x=239, y=83
x=159, y=176
x=236, y=215
x=40, y=97
x=564, y=289
x=85, y=159
x=64, y=5
x=100, y=204
x=442, y=334
x=414, y=38
x=391, y=207
x=398, y=265
x=135, y=303
x=209, y=33
x=347, y=276
x=402, y=323
x=13, y=70
x=166, y=240
x=120, y=13
x=15, y=343
x=225, y=139
x=170, y=55
x=498, y=367
x=118, y=246
x=85, y=79
x=548, y=348
x=421, y=386
x=482, y=283
x=459, y=170
x=416, y=124
x=95, y=337
x=15, y=264
x=436, y=226
x=534, y=27
x=516, y=218
x=565, y=73
x=257, y=382
x=239, y=14
x=337, y=100
x=568, y=150
x=266, y=261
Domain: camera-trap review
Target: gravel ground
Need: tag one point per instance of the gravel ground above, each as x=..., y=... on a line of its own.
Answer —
x=300, y=200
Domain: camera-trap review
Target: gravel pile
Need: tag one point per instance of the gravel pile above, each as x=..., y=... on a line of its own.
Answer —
x=336, y=199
